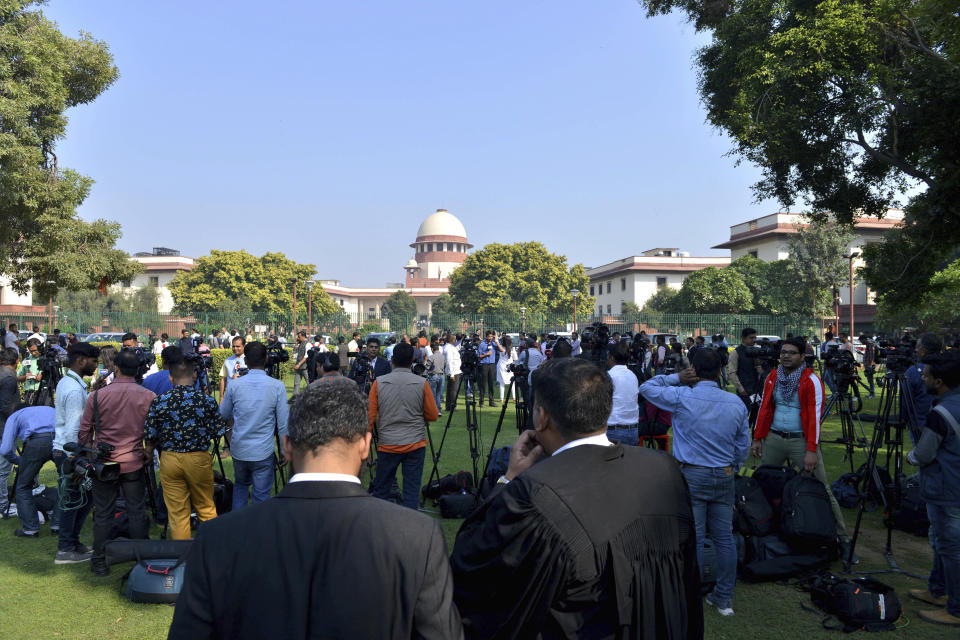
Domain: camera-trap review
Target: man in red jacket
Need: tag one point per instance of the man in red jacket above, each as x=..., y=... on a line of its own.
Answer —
x=788, y=423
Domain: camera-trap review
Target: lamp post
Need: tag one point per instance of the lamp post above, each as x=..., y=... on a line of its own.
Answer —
x=50, y=309
x=853, y=254
x=523, y=319
x=574, y=293
x=310, y=306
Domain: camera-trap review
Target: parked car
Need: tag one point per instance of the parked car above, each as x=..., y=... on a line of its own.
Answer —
x=104, y=337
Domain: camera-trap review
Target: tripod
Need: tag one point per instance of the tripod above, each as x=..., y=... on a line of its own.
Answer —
x=848, y=405
x=473, y=432
x=895, y=387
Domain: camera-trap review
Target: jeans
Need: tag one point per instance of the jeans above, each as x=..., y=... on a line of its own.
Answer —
x=71, y=520
x=828, y=380
x=258, y=473
x=298, y=375
x=486, y=381
x=625, y=436
x=436, y=385
x=386, y=474
x=868, y=372
x=5, y=467
x=36, y=451
x=945, y=540
x=712, y=495
x=453, y=388
x=134, y=489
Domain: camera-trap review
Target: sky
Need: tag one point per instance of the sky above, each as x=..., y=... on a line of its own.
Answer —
x=328, y=130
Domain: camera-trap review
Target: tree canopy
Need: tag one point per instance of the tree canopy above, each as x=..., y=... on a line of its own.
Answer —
x=400, y=303
x=713, y=290
x=141, y=299
x=239, y=281
x=503, y=277
x=846, y=104
x=42, y=74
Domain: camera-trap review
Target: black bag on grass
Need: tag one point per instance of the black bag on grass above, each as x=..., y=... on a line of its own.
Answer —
x=845, y=490
x=458, y=505
x=222, y=493
x=451, y=483
x=752, y=514
x=772, y=558
x=157, y=576
x=806, y=518
x=772, y=479
x=912, y=514
x=859, y=603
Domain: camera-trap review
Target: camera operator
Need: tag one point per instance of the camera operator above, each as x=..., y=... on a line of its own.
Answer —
x=331, y=371
x=744, y=371
x=378, y=365
x=121, y=408
x=300, y=362
x=487, y=352
x=33, y=426
x=71, y=398
x=711, y=441
x=161, y=382
x=9, y=398
x=255, y=406
x=451, y=370
x=399, y=403
x=625, y=415
x=129, y=341
x=869, y=361
x=937, y=453
x=917, y=407
x=561, y=349
x=233, y=366
x=788, y=423
x=28, y=373
x=181, y=424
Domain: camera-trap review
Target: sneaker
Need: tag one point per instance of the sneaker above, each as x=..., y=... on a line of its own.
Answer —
x=55, y=531
x=99, y=567
x=724, y=609
x=940, y=616
x=82, y=548
x=20, y=533
x=924, y=595
x=71, y=557
x=8, y=511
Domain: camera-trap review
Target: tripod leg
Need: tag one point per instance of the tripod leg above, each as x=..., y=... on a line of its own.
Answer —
x=435, y=470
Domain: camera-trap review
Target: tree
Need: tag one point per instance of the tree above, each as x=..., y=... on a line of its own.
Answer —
x=663, y=301
x=500, y=278
x=939, y=306
x=144, y=299
x=713, y=290
x=42, y=240
x=400, y=303
x=629, y=308
x=773, y=285
x=237, y=280
x=817, y=262
x=444, y=305
x=845, y=104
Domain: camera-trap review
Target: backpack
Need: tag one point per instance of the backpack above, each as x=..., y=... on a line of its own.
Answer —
x=859, y=603
x=460, y=504
x=912, y=514
x=450, y=483
x=752, y=514
x=845, y=490
x=772, y=558
x=772, y=480
x=222, y=493
x=806, y=518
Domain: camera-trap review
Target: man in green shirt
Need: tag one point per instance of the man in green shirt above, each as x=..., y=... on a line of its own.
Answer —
x=29, y=371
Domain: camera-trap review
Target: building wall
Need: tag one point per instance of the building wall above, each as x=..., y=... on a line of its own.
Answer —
x=9, y=296
x=631, y=286
x=160, y=279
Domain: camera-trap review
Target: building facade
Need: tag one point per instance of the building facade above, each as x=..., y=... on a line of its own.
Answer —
x=636, y=278
x=160, y=266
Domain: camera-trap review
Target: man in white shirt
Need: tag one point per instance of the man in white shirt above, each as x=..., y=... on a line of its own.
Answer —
x=625, y=416
x=233, y=365
x=354, y=346
x=452, y=371
x=575, y=344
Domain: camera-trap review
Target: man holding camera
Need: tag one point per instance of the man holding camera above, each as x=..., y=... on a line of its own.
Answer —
x=487, y=353
x=33, y=426
x=28, y=374
x=743, y=370
x=399, y=404
x=114, y=416
x=256, y=407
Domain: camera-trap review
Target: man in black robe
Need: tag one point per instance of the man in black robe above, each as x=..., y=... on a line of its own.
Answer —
x=595, y=541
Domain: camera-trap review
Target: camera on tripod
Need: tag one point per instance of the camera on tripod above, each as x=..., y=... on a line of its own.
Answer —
x=145, y=359
x=765, y=352
x=276, y=355
x=469, y=360
x=518, y=368
x=840, y=361
x=84, y=469
x=898, y=357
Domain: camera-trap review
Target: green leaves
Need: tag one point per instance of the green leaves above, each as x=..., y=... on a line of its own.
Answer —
x=713, y=290
x=400, y=303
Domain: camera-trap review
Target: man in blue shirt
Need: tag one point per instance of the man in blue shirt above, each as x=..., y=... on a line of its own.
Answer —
x=256, y=407
x=487, y=377
x=711, y=441
x=160, y=382
x=33, y=426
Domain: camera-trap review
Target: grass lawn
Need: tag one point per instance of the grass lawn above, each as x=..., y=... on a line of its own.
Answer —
x=41, y=600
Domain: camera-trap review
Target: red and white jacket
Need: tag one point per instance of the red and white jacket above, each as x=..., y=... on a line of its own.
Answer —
x=812, y=397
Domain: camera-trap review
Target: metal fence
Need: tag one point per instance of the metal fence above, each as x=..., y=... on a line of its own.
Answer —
x=285, y=324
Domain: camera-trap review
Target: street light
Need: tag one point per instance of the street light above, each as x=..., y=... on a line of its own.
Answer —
x=523, y=319
x=574, y=293
x=853, y=254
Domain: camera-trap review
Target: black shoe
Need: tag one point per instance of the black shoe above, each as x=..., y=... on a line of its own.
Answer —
x=20, y=533
x=99, y=567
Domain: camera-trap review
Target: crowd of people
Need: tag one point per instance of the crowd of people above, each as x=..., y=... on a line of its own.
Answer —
x=553, y=550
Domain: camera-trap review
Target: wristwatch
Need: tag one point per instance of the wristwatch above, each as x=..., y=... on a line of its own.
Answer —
x=503, y=480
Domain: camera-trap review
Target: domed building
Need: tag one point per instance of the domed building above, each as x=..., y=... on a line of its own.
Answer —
x=440, y=246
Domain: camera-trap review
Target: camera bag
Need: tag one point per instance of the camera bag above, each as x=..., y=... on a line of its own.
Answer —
x=752, y=514
x=806, y=518
x=772, y=558
x=458, y=505
x=222, y=493
x=450, y=483
x=912, y=514
x=845, y=490
x=157, y=576
x=858, y=603
x=772, y=479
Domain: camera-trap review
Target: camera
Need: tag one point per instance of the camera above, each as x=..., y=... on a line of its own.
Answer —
x=898, y=357
x=518, y=368
x=276, y=355
x=840, y=361
x=145, y=360
x=672, y=363
x=84, y=469
x=469, y=359
x=51, y=358
x=765, y=351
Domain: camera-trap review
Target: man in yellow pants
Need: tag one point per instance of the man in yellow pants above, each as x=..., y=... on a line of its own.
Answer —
x=181, y=423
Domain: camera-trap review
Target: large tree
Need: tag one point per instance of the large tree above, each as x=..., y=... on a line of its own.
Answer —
x=846, y=104
x=142, y=299
x=817, y=263
x=713, y=290
x=400, y=303
x=239, y=281
x=501, y=278
x=42, y=74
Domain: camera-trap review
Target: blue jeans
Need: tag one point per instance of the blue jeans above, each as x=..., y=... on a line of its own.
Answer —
x=945, y=540
x=712, y=495
x=71, y=520
x=828, y=380
x=386, y=474
x=436, y=385
x=625, y=436
x=36, y=451
x=258, y=473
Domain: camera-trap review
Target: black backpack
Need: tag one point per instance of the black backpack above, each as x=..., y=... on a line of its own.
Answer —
x=806, y=518
x=912, y=514
x=752, y=514
x=450, y=483
x=222, y=493
x=772, y=480
x=859, y=603
x=845, y=490
x=772, y=558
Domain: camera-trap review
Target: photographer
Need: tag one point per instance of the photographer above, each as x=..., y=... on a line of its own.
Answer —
x=938, y=455
x=33, y=426
x=300, y=362
x=378, y=365
x=181, y=424
x=114, y=416
x=487, y=352
x=9, y=398
x=451, y=370
x=256, y=407
x=161, y=382
x=399, y=403
x=28, y=374
x=917, y=406
x=869, y=361
x=233, y=366
x=742, y=370
x=788, y=423
x=625, y=417
x=71, y=398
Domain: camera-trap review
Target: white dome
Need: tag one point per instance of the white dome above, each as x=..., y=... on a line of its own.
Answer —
x=442, y=223
x=412, y=264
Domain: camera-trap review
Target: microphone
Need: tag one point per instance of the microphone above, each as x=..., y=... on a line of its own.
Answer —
x=72, y=447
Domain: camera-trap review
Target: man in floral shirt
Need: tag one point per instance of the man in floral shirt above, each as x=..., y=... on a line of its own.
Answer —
x=181, y=423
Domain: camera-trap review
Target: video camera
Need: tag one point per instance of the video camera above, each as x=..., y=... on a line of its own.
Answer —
x=51, y=359
x=518, y=368
x=766, y=352
x=898, y=357
x=276, y=355
x=145, y=360
x=672, y=363
x=722, y=351
x=841, y=361
x=469, y=359
x=84, y=470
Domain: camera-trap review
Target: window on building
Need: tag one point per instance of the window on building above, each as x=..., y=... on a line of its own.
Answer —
x=608, y=308
x=752, y=225
x=609, y=282
x=429, y=246
x=126, y=283
x=661, y=282
x=591, y=290
x=155, y=281
x=623, y=284
x=753, y=253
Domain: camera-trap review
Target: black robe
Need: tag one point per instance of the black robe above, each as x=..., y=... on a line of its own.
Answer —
x=595, y=542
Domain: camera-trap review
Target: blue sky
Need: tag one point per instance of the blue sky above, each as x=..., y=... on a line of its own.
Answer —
x=329, y=130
